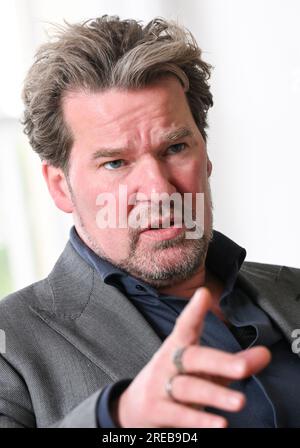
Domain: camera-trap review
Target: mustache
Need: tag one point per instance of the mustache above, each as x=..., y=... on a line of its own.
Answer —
x=157, y=215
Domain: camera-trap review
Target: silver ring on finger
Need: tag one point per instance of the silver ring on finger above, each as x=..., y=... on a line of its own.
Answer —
x=177, y=359
x=169, y=385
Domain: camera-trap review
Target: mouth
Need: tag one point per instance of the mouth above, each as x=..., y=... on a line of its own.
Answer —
x=162, y=230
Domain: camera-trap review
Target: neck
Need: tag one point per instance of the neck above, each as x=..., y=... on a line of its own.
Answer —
x=203, y=277
x=187, y=287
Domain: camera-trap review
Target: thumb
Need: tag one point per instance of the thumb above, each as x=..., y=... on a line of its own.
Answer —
x=188, y=325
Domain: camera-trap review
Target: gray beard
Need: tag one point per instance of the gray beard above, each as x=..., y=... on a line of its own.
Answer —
x=153, y=269
x=158, y=274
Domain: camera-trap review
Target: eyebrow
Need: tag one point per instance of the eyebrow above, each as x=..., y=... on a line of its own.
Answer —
x=107, y=152
x=178, y=133
x=168, y=137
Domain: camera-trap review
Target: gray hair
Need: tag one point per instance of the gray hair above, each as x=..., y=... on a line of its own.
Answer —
x=100, y=54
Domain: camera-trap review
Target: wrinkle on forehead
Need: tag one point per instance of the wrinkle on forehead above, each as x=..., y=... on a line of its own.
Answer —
x=125, y=118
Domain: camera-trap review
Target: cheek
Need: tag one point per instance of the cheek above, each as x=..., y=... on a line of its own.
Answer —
x=193, y=178
x=86, y=194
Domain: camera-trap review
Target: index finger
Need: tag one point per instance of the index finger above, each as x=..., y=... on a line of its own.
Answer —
x=189, y=324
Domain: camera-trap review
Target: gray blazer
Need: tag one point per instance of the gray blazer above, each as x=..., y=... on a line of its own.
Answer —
x=70, y=334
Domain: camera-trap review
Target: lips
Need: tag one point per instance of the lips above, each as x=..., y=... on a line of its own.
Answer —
x=162, y=234
x=160, y=224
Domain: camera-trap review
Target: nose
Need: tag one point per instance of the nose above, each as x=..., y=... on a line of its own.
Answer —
x=153, y=176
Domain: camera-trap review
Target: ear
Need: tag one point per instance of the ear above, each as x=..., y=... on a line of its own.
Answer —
x=58, y=187
x=209, y=167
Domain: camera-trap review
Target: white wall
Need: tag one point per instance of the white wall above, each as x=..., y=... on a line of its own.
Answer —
x=253, y=140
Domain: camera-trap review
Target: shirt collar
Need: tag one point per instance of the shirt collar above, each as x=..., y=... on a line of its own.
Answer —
x=224, y=258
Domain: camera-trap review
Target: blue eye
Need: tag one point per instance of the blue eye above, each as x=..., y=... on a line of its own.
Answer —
x=113, y=164
x=177, y=148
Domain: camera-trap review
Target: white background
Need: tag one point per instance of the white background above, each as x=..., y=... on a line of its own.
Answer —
x=253, y=141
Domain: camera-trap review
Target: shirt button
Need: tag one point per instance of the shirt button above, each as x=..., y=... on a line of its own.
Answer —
x=140, y=288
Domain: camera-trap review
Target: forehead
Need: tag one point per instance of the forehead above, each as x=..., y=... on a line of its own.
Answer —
x=127, y=114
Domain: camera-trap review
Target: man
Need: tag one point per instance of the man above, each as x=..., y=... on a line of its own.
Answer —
x=140, y=326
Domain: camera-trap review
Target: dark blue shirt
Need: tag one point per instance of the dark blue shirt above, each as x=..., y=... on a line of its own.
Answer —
x=273, y=398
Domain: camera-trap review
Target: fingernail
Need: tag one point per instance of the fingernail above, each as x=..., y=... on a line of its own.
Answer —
x=235, y=400
x=240, y=366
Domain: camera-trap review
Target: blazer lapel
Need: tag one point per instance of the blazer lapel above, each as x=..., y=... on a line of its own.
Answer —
x=96, y=318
